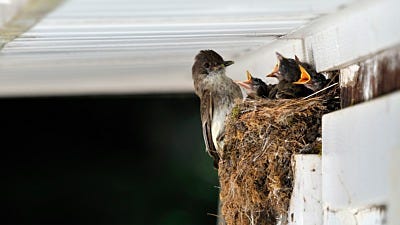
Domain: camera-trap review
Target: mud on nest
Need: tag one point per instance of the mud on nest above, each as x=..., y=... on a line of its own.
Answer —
x=262, y=136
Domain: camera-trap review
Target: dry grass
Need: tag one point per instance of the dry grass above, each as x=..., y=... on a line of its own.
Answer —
x=261, y=137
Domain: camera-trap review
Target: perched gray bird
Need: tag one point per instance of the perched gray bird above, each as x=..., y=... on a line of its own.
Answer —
x=217, y=94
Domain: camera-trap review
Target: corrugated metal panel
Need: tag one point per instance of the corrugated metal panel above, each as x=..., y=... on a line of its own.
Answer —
x=141, y=46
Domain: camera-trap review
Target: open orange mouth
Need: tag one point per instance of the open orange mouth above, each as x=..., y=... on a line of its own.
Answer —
x=304, y=76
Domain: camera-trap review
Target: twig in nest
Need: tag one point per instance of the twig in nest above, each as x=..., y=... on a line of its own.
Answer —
x=212, y=214
x=333, y=78
x=264, y=149
x=323, y=89
x=245, y=111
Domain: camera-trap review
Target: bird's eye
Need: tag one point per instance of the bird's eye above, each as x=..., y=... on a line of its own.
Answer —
x=206, y=65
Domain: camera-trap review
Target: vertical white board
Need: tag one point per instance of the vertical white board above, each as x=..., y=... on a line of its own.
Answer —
x=305, y=203
x=358, y=143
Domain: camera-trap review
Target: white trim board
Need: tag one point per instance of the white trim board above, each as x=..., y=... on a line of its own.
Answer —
x=337, y=40
x=358, y=143
x=305, y=202
x=363, y=29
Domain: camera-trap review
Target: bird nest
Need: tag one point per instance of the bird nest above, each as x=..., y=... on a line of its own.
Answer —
x=261, y=138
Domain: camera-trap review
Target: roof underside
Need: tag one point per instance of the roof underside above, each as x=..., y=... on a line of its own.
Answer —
x=137, y=46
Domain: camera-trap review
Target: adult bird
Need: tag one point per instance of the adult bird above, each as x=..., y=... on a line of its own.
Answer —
x=255, y=87
x=217, y=94
x=310, y=78
x=287, y=71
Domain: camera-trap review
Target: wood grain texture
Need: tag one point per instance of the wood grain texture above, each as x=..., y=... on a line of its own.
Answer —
x=370, y=78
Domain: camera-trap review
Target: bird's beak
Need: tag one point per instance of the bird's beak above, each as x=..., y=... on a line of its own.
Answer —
x=297, y=59
x=228, y=63
x=304, y=76
x=274, y=71
x=223, y=65
x=248, y=83
x=249, y=77
x=279, y=56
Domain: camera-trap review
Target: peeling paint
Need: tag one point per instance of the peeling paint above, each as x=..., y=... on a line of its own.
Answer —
x=371, y=215
x=393, y=64
x=348, y=75
x=370, y=78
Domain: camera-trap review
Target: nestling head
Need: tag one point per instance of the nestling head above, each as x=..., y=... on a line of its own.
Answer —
x=285, y=69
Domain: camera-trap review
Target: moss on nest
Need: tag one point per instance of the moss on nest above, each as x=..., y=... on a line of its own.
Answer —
x=261, y=137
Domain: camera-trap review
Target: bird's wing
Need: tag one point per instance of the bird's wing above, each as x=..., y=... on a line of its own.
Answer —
x=273, y=89
x=206, y=110
x=285, y=90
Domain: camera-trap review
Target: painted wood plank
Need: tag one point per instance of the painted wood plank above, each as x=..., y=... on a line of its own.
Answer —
x=394, y=189
x=305, y=203
x=373, y=215
x=370, y=78
x=352, y=34
x=358, y=143
x=334, y=41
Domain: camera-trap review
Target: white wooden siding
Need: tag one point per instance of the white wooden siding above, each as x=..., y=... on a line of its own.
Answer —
x=306, y=203
x=358, y=144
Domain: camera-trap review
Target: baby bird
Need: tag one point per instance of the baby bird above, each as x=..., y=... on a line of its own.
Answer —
x=310, y=78
x=255, y=87
x=288, y=71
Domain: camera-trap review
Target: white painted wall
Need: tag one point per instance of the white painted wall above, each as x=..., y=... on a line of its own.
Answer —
x=394, y=188
x=356, y=32
x=357, y=180
x=305, y=203
x=358, y=144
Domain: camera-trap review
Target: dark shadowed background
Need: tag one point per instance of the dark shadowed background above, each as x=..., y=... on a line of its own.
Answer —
x=105, y=160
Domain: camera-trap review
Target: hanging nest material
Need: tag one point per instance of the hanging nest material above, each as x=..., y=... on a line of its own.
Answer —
x=261, y=138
